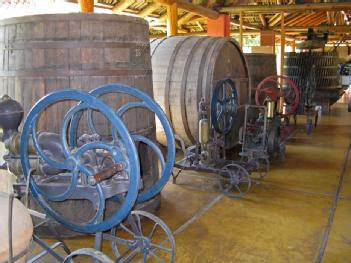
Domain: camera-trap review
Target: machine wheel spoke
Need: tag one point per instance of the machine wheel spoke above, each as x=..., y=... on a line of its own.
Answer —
x=154, y=255
x=157, y=246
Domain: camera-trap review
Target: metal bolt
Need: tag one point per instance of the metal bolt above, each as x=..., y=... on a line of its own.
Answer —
x=91, y=180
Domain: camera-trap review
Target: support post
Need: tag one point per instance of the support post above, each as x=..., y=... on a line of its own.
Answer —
x=294, y=46
x=86, y=6
x=282, y=44
x=172, y=19
x=241, y=30
x=219, y=27
x=282, y=51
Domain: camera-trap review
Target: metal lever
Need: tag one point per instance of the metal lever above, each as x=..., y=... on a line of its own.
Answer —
x=106, y=173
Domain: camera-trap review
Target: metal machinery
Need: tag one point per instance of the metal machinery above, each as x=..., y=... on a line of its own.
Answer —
x=215, y=121
x=266, y=128
x=253, y=138
x=56, y=168
x=315, y=74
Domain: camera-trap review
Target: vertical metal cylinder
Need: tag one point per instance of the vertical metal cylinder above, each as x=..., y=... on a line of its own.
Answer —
x=270, y=109
x=204, y=129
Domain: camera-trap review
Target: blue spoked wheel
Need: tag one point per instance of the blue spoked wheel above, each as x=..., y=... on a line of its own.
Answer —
x=224, y=104
x=121, y=149
x=146, y=102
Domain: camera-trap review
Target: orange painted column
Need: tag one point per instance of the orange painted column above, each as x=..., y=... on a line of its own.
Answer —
x=219, y=27
x=172, y=19
x=86, y=6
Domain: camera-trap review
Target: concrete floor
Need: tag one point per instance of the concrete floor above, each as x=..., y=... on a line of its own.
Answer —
x=287, y=217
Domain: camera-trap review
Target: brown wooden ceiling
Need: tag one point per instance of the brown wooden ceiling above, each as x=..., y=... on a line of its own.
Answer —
x=336, y=21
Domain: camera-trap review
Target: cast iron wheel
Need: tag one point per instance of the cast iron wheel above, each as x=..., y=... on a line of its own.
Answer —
x=136, y=243
x=224, y=105
x=235, y=180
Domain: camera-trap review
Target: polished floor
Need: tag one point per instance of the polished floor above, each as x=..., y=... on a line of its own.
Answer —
x=301, y=212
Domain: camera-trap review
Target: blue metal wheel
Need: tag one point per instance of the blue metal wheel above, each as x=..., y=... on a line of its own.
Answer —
x=145, y=101
x=224, y=104
x=122, y=149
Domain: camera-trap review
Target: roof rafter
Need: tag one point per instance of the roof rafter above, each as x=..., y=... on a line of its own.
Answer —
x=286, y=8
x=187, y=6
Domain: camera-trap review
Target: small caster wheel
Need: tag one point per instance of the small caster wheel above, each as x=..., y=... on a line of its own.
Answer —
x=235, y=180
x=143, y=237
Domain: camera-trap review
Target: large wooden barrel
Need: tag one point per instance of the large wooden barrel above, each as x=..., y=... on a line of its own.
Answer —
x=260, y=66
x=186, y=69
x=43, y=53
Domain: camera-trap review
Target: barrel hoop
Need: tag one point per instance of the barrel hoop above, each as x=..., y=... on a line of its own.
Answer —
x=210, y=64
x=73, y=73
x=76, y=17
x=157, y=45
x=70, y=44
x=202, y=67
x=183, y=89
x=200, y=76
x=168, y=80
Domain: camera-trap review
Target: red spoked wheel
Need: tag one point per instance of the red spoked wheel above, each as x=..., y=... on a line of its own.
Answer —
x=276, y=86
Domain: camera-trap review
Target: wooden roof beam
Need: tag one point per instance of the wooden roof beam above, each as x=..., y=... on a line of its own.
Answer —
x=286, y=8
x=263, y=20
x=313, y=19
x=185, y=18
x=187, y=6
x=344, y=29
x=301, y=19
x=320, y=21
x=121, y=6
x=246, y=26
x=273, y=18
x=280, y=18
x=294, y=17
x=149, y=9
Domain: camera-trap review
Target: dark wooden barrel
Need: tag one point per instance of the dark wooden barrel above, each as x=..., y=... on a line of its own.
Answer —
x=260, y=66
x=43, y=53
x=186, y=69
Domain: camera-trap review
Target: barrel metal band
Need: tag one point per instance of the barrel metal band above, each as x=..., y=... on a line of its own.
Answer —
x=71, y=44
x=73, y=73
x=202, y=67
x=183, y=89
x=168, y=81
x=153, y=49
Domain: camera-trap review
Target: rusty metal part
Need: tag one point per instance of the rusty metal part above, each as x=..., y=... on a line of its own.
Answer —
x=108, y=173
x=13, y=144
